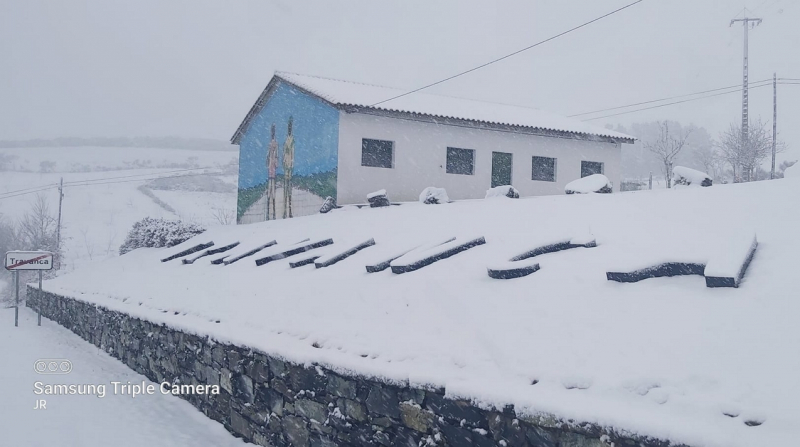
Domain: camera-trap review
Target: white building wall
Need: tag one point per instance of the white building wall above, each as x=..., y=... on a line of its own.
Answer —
x=420, y=155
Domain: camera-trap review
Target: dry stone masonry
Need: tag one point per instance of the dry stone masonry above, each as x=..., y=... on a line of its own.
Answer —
x=272, y=402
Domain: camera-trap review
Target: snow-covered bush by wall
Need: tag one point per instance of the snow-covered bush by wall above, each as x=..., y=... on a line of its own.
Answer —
x=150, y=232
x=591, y=183
x=687, y=176
x=502, y=191
x=433, y=196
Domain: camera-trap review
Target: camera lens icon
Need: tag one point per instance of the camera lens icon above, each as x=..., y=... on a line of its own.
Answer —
x=52, y=366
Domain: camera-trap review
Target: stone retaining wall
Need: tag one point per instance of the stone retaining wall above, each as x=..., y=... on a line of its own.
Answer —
x=271, y=402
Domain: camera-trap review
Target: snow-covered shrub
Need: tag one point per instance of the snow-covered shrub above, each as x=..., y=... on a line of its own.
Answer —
x=433, y=196
x=378, y=198
x=591, y=183
x=150, y=232
x=687, y=176
x=502, y=191
x=328, y=205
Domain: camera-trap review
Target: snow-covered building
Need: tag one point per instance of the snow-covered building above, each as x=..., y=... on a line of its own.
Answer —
x=327, y=137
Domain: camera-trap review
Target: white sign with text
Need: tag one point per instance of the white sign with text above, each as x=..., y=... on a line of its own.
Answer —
x=29, y=260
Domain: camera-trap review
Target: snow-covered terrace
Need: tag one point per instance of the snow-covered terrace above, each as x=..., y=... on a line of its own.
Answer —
x=665, y=357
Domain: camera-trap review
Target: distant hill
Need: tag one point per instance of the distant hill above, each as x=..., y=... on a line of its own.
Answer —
x=202, y=144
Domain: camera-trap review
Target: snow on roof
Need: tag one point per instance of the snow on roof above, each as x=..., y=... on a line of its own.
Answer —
x=345, y=93
x=664, y=357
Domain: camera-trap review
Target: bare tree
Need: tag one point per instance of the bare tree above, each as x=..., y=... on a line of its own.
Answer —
x=87, y=243
x=745, y=155
x=37, y=228
x=710, y=159
x=224, y=216
x=666, y=147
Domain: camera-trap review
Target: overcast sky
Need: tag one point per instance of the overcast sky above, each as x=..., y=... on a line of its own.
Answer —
x=193, y=68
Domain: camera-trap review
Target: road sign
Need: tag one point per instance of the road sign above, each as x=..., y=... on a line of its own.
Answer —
x=29, y=260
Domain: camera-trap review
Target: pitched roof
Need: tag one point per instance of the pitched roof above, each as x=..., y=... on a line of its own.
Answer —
x=360, y=97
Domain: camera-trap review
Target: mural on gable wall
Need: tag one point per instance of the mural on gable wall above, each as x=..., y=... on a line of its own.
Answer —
x=288, y=158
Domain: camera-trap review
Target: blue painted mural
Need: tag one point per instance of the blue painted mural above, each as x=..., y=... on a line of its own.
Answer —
x=288, y=157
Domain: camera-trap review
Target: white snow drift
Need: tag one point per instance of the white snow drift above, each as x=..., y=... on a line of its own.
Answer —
x=665, y=357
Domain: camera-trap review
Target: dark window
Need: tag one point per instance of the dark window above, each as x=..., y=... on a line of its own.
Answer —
x=460, y=161
x=591, y=167
x=377, y=153
x=544, y=169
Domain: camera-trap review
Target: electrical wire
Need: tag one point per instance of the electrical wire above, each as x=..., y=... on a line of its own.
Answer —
x=94, y=182
x=136, y=175
x=738, y=86
x=26, y=189
x=79, y=183
x=28, y=192
x=508, y=55
x=671, y=103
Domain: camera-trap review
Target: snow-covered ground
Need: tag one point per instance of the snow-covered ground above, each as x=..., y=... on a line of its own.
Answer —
x=665, y=357
x=85, y=420
x=100, y=209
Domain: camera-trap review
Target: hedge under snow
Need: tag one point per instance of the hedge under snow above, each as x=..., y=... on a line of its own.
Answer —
x=688, y=176
x=589, y=184
x=502, y=191
x=155, y=233
x=433, y=196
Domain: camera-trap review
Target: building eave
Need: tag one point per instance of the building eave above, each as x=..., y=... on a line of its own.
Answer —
x=481, y=125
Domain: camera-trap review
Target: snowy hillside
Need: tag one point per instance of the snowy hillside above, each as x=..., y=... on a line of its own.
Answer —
x=665, y=357
x=106, y=191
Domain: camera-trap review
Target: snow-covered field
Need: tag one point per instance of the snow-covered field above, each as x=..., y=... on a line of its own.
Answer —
x=92, y=159
x=86, y=420
x=102, y=203
x=665, y=357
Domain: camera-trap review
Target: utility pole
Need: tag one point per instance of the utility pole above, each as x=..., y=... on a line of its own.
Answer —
x=58, y=228
x=745, y=90
x=774, y=121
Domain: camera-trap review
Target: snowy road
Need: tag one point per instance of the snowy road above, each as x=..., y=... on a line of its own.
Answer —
x=81, y=420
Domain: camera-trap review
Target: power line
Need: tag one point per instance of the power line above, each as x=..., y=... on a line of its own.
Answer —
x=737, y=86
x=94, y=182
x=756, y=8
x=136, y=175
x=507, y=55
x=671, y=103
x=26, y=189
x=78, y=183
x=28, y=192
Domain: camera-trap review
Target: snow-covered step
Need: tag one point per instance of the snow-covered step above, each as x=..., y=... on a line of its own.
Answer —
x=558, y=245
x=512, y=269
x=419, y=259
x=658, y=271
x=329, y=260
x=212, y=251
x=727, y=268
x=188, y=251
x=304, y=261
x=382, y=263
x=243, y=253
x=295, y=250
